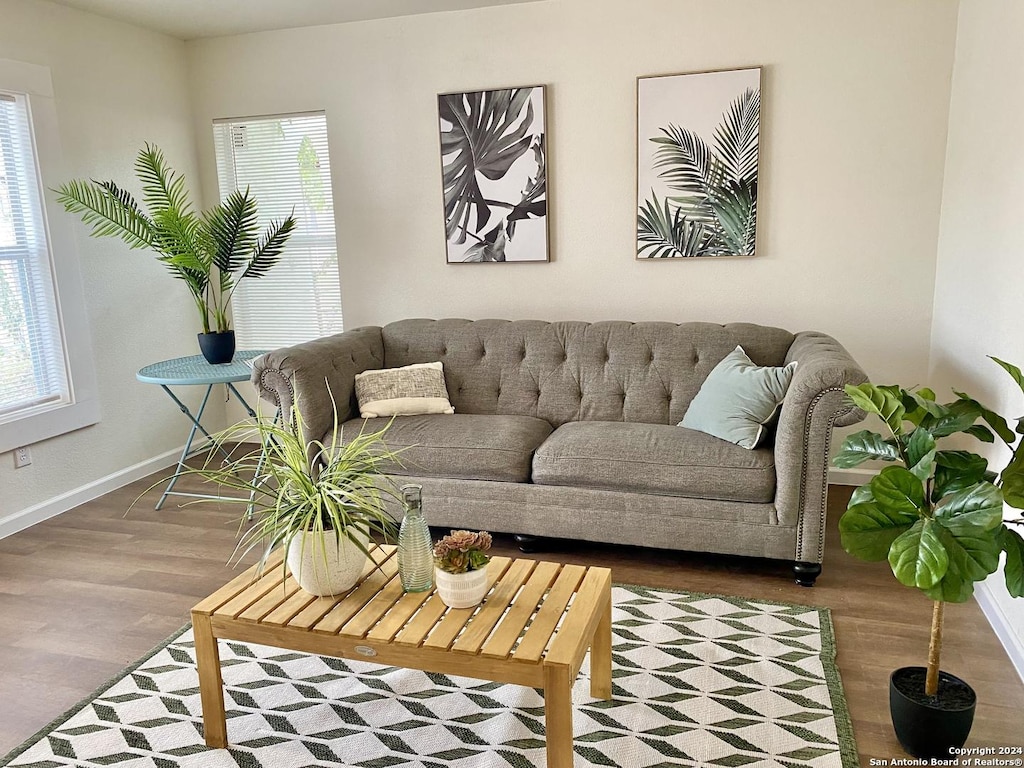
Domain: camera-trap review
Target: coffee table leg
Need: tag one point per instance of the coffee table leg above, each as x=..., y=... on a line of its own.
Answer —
x=558, y=714
x=211, y=684
x=601, y=652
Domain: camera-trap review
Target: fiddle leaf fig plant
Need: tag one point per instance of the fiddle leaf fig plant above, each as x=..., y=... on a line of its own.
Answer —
x=936, y=514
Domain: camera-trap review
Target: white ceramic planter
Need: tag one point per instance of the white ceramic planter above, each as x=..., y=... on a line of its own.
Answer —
x=322, y=566
x=461, y=590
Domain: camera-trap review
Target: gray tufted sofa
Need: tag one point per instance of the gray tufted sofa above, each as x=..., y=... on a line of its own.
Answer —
x=567, y=429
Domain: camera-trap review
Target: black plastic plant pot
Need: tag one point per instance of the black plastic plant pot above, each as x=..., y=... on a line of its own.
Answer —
x=217, y=348
x=930, y=726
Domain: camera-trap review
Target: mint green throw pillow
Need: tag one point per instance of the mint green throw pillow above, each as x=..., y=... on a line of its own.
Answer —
x=737, y=399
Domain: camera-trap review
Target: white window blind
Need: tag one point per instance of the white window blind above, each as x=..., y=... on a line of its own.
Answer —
x=33, y=369
x=284, y=162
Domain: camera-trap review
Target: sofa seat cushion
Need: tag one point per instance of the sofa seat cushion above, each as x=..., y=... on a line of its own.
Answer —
x=463, y=446
x=654, y=458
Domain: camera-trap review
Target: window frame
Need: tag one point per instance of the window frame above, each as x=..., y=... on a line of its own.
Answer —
x=221, y=131
x=82, y=408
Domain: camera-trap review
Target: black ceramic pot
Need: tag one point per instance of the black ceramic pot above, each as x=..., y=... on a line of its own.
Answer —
x=929, y=726
x=217, y=347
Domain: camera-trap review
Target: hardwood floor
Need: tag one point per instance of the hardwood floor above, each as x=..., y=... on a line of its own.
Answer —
x=87, y=593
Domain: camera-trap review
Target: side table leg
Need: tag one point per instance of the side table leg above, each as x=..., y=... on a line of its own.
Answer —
x=601, y=651
x=196, y=424
x=558, y=715
x=211, y=684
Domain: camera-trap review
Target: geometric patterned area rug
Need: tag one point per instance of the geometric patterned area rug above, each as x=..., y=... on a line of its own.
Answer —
x=698, y=680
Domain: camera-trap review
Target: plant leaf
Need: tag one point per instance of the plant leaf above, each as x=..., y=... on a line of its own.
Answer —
x=863, y=446
x=1011, y=369
x=1013, y=545
x=879, y=401
x=1012, y=480
x=110, y=211
x=980, y=507
x=488, y=131
x=861, y=494
x=533, y=201
x=868, y=529
x=958, y=416
x=955, y=471
x=981, y=432
x=687, y=162
x=898, y=490
x=734, y=205
x=918, y=406
x=993, y=419
x=232, y=229
x=925, y=467
x=973, y=555
x=952, y=587
x=736, y=136
x=917, y=556
x=962, y=461
x=163, y=189
x=921, y=453
x=269, y=248
x=491, y=248
x=665, y=232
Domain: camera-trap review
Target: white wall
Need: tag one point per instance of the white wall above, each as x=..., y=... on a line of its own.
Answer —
x=115, y=87
x=855, y=101
x=980, y=266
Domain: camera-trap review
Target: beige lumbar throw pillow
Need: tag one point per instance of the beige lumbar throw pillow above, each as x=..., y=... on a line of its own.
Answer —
x=406, y=391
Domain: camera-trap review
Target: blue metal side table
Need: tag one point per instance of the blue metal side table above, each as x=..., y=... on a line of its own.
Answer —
x=195, y=371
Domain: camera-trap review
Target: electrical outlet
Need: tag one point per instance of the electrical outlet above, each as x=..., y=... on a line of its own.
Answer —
x=22, y=457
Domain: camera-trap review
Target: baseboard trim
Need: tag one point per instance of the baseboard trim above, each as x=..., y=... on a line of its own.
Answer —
x=856, y=476
x=37, y=513
x=997, y=619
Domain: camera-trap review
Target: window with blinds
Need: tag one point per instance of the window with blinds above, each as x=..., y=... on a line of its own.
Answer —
x=33, y=369
x=284, y=162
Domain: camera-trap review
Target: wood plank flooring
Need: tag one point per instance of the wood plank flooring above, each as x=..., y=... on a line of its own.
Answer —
x=87, y=593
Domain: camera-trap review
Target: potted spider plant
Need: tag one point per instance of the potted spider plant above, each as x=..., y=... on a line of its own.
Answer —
x=211, y=252
x=936, y=515
x=323, y=503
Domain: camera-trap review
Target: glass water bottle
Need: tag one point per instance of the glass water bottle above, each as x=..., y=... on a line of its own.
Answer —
x=415, y=549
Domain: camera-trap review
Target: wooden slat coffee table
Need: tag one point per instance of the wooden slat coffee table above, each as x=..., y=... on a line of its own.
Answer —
x=533, y=628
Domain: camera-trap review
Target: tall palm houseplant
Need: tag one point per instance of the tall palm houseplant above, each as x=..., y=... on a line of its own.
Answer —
x=937, y=516
x=211, y=251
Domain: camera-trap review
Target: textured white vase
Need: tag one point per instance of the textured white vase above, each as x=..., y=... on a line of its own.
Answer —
x=461, y=590
x=323, y=565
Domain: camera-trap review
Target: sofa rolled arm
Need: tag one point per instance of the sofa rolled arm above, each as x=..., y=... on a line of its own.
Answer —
x=814, y=404
x=309, y=374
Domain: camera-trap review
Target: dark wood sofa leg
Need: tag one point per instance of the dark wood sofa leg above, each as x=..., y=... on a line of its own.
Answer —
x=806, y=573
x=527, y=544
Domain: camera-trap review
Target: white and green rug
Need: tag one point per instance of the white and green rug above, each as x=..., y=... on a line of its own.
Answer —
x=699, y=680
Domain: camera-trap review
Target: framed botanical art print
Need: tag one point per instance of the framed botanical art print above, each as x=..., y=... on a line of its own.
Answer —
x=697, y=157
x=494, y=174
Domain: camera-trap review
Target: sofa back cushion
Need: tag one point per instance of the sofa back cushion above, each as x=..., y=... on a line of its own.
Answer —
x=575, y=371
